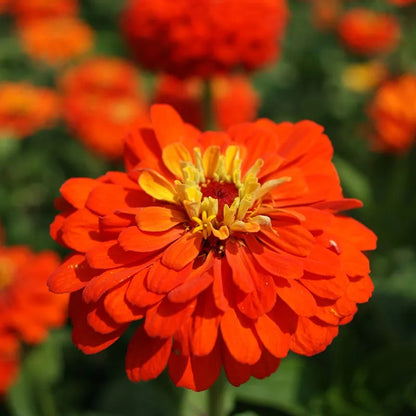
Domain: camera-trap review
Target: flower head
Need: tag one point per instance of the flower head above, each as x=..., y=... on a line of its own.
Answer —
x=25, y=10
x=203, y=37
x=228, y=247
x=24, y=108
x=393, y=113
x=26, y=307
x=366, y=32
x=102, y=103
x=55, y=41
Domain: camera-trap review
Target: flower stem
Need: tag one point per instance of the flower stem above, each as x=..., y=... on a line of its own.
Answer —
x=208, y=106
x=216, y=397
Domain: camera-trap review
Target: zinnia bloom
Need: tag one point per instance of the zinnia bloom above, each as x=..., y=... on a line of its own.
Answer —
x=104, y=76
x=56, y=41
x=365, y=31
x=204, y=37
x=234, y=100
x=24, y=109
x=27, y=308
x=40, y=9
x=393, y=113
x=101, y=123
x=102, y=103
x=9, y=360
x=228, y=247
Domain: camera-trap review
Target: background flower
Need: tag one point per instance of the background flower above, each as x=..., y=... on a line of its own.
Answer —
x=203, y=38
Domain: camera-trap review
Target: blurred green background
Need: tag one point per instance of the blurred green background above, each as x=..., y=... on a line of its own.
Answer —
x=369, y=369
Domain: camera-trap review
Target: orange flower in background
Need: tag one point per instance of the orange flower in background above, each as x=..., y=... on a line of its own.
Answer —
x=365, y=31
x=227, y=249
x=4, y=5
x=27, y=308
x=24, y=109
x=201, y=38
x=9, y=360
x=234, y=100
x=393, y=114
x=102, y=103
x=40, y=9
x=105, y=76
x=102, y=123
x=402, y=2
x=325, y=13
x=56, y=41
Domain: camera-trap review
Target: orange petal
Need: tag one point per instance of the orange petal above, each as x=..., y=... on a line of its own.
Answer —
x=183, y=251
x=167, y=124
x=76, y=190
x=242, y=268
x=162, y=279
x=195, y=373
x=360, y=289
x=239, y=338
x=159, y=218
x=296, y=296
x=133, y=239
x=191, y=288
x=138, y=293
x=165, y=318
x=118, y=308
x=72, y=275
x=146, y=357
x=173, y=155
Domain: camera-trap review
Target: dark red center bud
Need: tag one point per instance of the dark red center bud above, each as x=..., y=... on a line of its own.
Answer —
x=224, y=192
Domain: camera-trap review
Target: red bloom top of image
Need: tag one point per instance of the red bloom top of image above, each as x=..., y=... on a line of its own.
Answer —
x=9, y=360
x=202, y=37
x=228, y=249
x=25, y=109
x=234, y=100
x=402, y=2
x=56, y=41
x=4, y=5
x=40, y=9
x=102, y=103
x=393, y=114
x=365, y=31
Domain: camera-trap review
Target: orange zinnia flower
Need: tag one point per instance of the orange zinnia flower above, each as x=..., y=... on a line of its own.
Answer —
x=26, y=306
x=365, y=31
x=39, y=9
x=234, y=100
x=56, y=41
x=230, y=247
x=204, y=37
x=24, y=109
x=104, y=76
x=102, y=103
x=9, y=360
x=393, y=113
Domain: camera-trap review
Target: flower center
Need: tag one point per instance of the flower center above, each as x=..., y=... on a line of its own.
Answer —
x=7, y=269
x=210, y=188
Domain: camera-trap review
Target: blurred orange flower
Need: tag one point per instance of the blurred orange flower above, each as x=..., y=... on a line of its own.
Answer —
x=234, y=100
x=56, y=41
x=4, y=5
x=203, y=37
x=39, y=9
x=393, y=113
x=325, y=13
x=26, y=306
x=102, y=103
x=9, y=360
x=229, y=247
x=24, y=109
x=365, y=31
x=104, y=76
x=402, y=2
